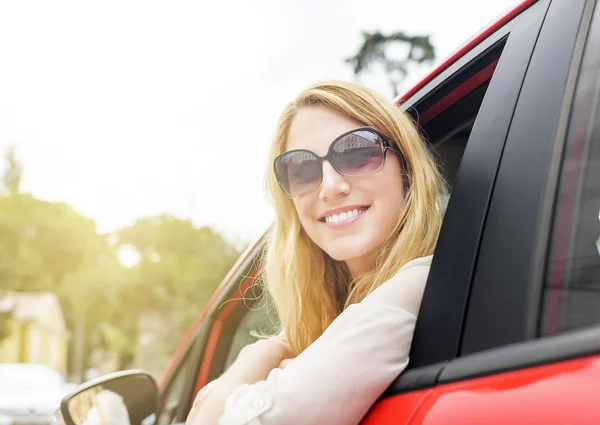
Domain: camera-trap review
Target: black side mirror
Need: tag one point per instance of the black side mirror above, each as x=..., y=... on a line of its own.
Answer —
x=121, y=398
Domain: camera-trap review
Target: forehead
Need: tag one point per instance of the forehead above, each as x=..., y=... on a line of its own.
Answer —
x=315, y=127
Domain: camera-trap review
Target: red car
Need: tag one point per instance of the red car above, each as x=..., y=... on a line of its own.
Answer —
x=509, y=328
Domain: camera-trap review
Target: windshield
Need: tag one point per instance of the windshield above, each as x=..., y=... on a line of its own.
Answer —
x=24, y=377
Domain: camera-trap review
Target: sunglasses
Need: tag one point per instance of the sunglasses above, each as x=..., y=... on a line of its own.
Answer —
x=359, y=152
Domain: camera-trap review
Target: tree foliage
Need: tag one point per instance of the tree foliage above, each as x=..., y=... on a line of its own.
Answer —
x=48, y=246
x=375, y=49
x=5, y=320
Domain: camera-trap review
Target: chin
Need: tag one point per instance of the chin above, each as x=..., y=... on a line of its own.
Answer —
x=344, y=251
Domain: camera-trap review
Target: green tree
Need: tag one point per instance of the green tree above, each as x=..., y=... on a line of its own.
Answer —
x=5, y=319
x=180, y=267
x=42, y=242
x=375, y=48
x=49, y=247
x=179, y=263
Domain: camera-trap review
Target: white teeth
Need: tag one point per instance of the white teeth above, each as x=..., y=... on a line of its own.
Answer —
x=336, y=218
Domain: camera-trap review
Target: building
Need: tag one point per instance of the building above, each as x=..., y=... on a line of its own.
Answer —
x=37, y=330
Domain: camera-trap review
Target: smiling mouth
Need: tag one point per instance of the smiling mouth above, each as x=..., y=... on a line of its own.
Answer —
x=343, y=216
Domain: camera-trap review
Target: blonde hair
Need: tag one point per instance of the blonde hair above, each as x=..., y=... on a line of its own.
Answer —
x=308, y=287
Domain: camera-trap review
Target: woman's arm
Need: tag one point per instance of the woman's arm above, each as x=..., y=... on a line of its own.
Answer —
x=339, y=377
x=203, y=393
x=253, y=364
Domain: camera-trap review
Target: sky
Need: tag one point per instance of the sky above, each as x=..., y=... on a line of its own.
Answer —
x=126, y=109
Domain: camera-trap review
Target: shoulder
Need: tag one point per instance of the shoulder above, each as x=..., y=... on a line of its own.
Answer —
x=417, y=263
x=405, y=289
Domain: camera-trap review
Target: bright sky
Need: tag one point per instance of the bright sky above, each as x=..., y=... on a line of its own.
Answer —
x=125, y=108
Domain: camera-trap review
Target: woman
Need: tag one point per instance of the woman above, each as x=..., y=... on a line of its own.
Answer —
x=357, y=196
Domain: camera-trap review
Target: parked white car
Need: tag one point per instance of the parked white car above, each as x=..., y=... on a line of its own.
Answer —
x=30, y=394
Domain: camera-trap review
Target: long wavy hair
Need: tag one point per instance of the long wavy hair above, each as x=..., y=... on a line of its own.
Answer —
x=308, y=287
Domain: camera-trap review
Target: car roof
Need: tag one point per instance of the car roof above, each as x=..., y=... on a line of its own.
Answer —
x=480, y=36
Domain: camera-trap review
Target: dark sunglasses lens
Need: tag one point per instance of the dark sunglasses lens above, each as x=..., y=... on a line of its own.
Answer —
x=298, y=172
x=358, y=153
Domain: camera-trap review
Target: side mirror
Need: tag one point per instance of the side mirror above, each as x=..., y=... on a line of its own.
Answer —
x=121, y=398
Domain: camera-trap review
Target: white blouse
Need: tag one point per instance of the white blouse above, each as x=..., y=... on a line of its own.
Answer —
x=337, y=379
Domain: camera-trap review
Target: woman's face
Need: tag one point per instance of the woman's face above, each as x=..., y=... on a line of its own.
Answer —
x=380, y=196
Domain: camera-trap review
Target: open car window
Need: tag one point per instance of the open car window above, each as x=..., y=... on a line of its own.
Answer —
x=446, y=127
x=260, y=320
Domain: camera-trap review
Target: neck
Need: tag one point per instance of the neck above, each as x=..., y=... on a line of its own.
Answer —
x=360, y=266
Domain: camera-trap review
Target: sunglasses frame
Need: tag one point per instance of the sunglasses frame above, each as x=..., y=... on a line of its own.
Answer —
x=387, y=144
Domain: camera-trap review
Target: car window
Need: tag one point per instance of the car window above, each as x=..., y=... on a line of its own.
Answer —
x=572, y=283
x=260, y=319
x=448, y=122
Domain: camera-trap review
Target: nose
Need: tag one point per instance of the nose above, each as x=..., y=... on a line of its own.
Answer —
x=334, y=184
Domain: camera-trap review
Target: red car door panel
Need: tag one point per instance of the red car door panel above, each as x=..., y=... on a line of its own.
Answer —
x=528, y=396
x=397, y=409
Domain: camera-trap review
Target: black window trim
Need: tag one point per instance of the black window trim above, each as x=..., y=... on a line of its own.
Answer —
x=563, y=347
x=434, y=89
x=451, y=271
x=177, y=368
x=501, y=302
x=541, y=252
x=569, y=345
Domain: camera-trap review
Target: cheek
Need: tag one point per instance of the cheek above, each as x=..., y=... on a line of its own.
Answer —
x=396, y=205
x=389, y=198
x=303, y=209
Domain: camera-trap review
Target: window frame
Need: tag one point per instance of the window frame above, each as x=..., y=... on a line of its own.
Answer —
x=581, y=137
x=450, y=277
x=180, y=371
x=179, y=368
x=568, y=21
x=504, y=302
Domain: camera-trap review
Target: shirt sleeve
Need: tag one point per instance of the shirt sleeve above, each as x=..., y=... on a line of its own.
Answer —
x=339, y=377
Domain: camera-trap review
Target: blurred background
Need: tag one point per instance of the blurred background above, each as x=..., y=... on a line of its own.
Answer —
x=133, y=143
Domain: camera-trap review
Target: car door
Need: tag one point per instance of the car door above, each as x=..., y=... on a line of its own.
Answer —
x=530, y=348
